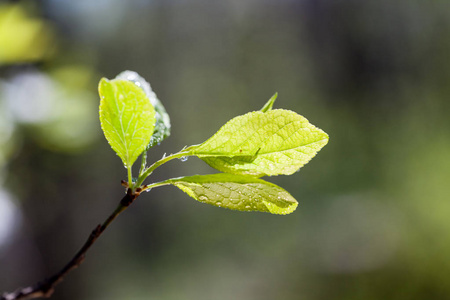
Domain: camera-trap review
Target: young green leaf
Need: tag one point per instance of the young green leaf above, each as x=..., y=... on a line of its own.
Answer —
x=237, y=192
x=162, y=125
x=127, y=118
x=269, y=104
x=262, y=143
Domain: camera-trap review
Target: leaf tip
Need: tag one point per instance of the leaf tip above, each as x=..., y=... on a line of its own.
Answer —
x=278, y=210
x=103, y=81
x=325, y=137
x=269, y=104
x=102, y=84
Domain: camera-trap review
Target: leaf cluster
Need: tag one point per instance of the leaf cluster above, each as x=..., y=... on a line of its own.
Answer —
x=261, y=143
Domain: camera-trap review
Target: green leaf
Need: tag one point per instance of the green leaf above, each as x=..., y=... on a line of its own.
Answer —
x=237, y=192
x=262, y=143
x=162, y=125
x=269, y=104
x=127, y=118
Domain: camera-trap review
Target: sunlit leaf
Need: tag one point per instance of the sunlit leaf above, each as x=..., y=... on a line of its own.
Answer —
x=237, y=192
x=262, y=143
x=127, y=118
x=162, y=125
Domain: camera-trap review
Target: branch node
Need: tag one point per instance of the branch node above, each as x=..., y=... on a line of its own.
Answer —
x=129, y=197
x=124, y=183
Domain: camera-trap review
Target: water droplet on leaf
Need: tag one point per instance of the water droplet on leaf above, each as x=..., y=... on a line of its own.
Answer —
x=184, y=158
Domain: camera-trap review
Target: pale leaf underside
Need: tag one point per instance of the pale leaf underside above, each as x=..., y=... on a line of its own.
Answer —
x=237, y=192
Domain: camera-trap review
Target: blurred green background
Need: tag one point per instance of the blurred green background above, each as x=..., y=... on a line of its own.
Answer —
x=374, y=214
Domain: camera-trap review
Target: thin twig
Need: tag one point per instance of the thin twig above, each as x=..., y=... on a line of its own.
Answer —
x=45, y=288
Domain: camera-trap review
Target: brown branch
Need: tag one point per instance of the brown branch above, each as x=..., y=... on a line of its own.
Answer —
x=45, y=288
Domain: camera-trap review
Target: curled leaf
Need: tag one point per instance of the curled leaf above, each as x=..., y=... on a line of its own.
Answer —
x=269, y=104
x=162, y=125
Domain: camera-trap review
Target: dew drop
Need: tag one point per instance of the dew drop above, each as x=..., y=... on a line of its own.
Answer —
x=234, y=201
x=203, y=198
x=219, y=204
x=147, y=190
x=184, y=158
x=247, y=207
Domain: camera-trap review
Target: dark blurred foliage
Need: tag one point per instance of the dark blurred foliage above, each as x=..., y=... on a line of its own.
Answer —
x=373, y=220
